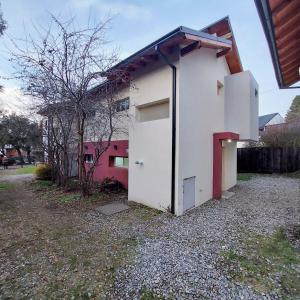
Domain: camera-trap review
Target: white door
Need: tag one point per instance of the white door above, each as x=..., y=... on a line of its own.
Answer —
x=188, y=193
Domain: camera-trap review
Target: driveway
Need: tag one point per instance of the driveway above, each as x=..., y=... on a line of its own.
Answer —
x=53, y=251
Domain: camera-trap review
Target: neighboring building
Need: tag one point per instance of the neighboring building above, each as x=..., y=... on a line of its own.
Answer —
x=270, y=119
x=190, y=104
x=281, y=23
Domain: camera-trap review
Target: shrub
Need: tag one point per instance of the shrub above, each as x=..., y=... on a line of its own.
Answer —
x=43, y=172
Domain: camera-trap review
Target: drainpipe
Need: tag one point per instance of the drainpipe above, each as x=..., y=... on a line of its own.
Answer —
x=172, y=66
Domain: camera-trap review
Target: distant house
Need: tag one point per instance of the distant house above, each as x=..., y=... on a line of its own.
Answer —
x=270, y=119
x=264, y=122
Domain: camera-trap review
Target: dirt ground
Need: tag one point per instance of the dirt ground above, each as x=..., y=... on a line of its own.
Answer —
x=50, y=250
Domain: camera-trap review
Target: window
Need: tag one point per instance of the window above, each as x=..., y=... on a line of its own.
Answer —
x=153, y=111
x=88, y=158
x=122, y=104
x=256, y=92
x=119, y=161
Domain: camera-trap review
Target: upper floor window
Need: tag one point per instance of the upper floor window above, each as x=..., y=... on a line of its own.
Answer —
x=122, y=104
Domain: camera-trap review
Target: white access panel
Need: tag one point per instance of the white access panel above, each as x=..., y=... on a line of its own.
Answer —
x=188, y=193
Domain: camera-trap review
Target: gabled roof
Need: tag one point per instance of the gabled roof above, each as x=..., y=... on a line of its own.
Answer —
x=218, y=35
x=281, y=23
x=265, y=119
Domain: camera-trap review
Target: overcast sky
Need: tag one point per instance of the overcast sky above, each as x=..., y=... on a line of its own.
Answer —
x=137, y=23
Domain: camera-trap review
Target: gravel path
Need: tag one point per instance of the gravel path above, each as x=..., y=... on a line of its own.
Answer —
x=179, y=258
x=17, y=177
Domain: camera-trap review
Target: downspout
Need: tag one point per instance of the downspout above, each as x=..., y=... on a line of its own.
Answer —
x=172, y=66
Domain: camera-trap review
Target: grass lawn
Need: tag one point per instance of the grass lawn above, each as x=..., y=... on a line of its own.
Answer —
x=6, y=185
x=293, y=175
x=261, y=258
x=244, y=176
x=30, y=169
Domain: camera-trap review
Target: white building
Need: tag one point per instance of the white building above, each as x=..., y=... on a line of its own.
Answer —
x=190, y=103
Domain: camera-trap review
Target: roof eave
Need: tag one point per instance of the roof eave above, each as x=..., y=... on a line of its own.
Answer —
x=265, y=16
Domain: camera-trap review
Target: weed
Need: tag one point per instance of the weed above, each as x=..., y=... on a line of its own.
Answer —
x=147, y=294
x=26, y=170
x=67, y=198
x=260, y=258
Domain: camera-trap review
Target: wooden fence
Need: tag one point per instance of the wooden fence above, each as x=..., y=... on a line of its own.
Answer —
x=268, y=160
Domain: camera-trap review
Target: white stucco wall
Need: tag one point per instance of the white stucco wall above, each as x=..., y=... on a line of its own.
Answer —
x=229, y=164
x=241, y=105
x=94, y=128
x=150, y=141
x=200, y=114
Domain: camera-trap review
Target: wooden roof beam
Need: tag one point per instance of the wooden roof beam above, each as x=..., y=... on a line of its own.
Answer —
x=292, y=80
x=286, y=48
x=287, y=30
x=222, y=52
x=287, y=39
x=291, y=56
x=291, y=62
x=293, y=71
x=287, y=70
x=191, y=47
x=288, y=19
x=277, y=9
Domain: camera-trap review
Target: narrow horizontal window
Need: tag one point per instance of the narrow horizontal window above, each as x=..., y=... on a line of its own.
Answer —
x=153, y=111
x=88, y=158
x=118, y=161
x=122, y=104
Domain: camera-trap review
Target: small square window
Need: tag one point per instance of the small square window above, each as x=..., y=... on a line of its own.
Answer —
x=88, y=158
x=119, y=162
x=122, y=104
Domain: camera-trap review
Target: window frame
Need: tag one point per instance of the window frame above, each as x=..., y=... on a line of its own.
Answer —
x=88, y=155
x=112, y=162
x=122, y=104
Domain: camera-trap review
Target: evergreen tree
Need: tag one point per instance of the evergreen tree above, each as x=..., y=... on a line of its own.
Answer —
x=293, y=113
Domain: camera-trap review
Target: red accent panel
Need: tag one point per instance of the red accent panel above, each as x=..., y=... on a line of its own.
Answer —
x=103, y=170
x=217, y=160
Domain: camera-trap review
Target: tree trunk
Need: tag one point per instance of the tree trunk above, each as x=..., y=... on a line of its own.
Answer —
x=81, y=165
x=21, y=156
x=65, y=172
x=28, y=155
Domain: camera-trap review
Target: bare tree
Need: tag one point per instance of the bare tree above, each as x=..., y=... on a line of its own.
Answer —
x=58, y=71
x=3, y=24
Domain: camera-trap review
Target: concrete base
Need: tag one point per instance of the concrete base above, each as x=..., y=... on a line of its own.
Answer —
x=227, y=195
x=112, y=208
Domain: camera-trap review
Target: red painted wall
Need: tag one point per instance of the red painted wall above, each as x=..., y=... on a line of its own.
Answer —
x=103, y=169
x=217, y=161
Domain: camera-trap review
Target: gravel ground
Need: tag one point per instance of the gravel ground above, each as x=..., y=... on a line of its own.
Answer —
x=69, y=253
x=179, y=259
